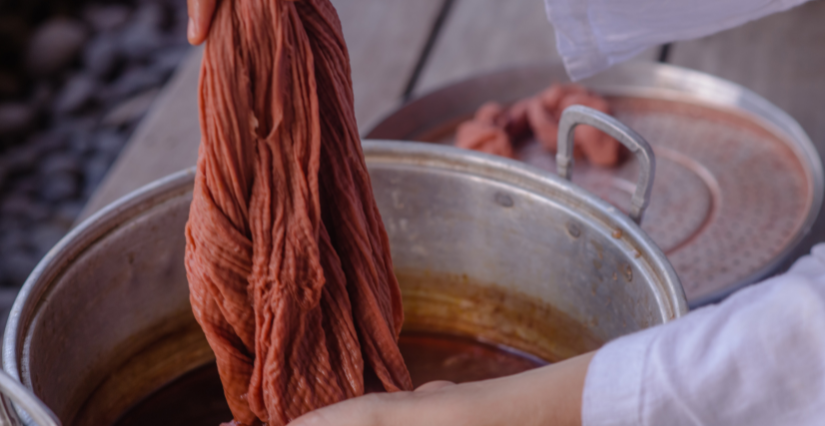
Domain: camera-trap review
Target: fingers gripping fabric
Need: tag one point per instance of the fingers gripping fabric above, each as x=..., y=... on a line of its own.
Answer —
x=288, y=261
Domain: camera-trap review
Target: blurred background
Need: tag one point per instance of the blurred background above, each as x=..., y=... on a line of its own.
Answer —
x=75, y=79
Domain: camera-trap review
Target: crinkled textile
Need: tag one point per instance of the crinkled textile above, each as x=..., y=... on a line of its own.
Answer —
x=288, y=261
x=485, y=132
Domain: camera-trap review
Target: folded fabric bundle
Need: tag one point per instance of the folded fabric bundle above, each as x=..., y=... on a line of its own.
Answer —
x=496, y=130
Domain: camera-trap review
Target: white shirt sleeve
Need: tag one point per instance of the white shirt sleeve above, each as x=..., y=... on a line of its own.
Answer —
x=758, y=358
x=592, y=35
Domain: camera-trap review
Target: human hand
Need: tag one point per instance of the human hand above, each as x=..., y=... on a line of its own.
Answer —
x=200, y=19
x=549, y=395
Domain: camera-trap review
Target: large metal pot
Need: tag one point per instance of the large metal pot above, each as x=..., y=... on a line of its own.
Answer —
x=483, y=246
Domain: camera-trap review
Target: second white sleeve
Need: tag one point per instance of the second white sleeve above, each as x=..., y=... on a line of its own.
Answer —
x=756, y=359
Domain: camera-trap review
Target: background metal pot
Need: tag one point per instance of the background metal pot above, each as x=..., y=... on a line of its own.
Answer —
x=739, y=182
x=483, y=246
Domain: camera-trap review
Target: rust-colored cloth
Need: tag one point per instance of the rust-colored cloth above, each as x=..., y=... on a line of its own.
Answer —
x=288, y=261
x=495, y=130
x=485, y=132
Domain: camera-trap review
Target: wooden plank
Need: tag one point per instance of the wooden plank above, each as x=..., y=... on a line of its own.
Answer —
x=780, y=57
x=486, y=35
x=385, y=38
x=165, y=142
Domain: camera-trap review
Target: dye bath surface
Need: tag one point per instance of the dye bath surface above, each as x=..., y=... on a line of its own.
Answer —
x=437, y=357
x=194, y=399
x=197, y=397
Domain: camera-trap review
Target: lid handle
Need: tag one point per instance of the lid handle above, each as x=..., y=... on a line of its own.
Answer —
x=25, y=400
x=578, y=114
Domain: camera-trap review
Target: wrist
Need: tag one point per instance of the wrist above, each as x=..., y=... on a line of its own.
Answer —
x=552, y=395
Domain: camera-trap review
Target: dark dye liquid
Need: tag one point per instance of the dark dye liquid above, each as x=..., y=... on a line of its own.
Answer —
x=197, y=397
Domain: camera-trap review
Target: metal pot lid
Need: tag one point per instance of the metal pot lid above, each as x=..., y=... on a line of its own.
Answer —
x=738, y=182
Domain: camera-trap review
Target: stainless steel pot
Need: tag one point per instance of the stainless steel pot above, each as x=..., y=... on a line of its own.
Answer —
x=104, y=320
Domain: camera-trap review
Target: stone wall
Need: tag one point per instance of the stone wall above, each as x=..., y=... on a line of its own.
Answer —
x=75, y=79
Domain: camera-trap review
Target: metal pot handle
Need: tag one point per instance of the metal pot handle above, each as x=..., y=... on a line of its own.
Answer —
x=13, y=390
x=578, y=114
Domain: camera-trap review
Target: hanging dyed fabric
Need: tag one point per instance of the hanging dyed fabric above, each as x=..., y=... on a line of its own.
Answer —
x=287, y=258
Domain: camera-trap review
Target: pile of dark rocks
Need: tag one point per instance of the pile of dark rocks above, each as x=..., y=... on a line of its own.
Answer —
x=75, y=79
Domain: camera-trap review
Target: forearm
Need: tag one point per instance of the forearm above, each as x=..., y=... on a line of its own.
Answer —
x=548, y=396
x=554, y=393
